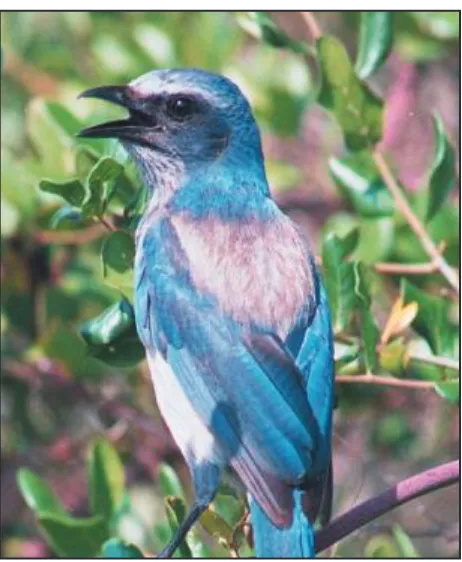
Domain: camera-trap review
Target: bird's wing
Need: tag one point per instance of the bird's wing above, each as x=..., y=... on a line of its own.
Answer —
x=315, y=361
x=245, y=386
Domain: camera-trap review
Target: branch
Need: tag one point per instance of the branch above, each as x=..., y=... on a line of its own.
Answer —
x=427, y=243
x=385, y=381
x=35, y=81
x=406, y=268
x=434, y=479
x=313, y=26
x=439, y=361
x=71, y=237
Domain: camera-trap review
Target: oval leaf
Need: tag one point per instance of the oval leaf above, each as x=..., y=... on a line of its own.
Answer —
x=169, y=482
x=116, y=320
x=357, y=110
x=400, y=318
x=368, y=328
x=216, y=526
x=358, y=179
x=71, y=191
x=442, y=175
x=375, y=42
x=261, y=26
x=74, y=538
x=106, y=479
x=431, y=321
x=104, y=171
x=37, y=494
x=339, y=279
x=450, y=390
x=118, y=254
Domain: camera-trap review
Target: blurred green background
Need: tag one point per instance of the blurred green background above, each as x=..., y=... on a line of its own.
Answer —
x=56, y=398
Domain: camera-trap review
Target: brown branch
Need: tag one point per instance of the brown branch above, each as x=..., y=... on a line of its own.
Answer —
x=437, y=360
x=406, y=268
x=312, y=25
x=423, y=483
x=36, y=81
x=72, y=237
x=427, y=243
x=399, y=268
x=385, y=381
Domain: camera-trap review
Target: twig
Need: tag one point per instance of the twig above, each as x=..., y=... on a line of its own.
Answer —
x=72, y=237
x=385, y=381
x=106, y=223
x=444, y=362
x=423, y=483
x=399, y=268
x=312, y=24
x=427, y=243
x=406, y=268
x=36, y=81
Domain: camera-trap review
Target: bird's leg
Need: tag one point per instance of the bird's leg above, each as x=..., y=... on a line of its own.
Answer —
x=182, y=531
x=205, y=478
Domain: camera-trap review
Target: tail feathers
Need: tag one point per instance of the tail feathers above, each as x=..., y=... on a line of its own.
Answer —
x=295, y=541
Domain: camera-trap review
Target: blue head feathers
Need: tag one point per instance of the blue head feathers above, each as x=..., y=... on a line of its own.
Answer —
x=184, y=118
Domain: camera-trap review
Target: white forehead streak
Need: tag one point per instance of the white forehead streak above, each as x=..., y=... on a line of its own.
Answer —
x=149, y=84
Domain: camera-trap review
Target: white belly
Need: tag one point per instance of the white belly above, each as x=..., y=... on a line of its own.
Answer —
x=189, y=432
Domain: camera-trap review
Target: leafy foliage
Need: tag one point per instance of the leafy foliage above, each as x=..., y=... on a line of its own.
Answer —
x=70, y=208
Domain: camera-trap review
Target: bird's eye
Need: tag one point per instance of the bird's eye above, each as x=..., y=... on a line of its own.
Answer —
x=181, y=108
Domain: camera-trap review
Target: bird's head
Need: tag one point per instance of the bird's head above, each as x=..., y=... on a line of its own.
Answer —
x=185, y=116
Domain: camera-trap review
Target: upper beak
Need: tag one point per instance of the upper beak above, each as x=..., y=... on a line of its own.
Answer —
x=127, y=129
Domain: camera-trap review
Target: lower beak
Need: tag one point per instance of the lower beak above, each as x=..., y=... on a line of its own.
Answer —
x=129, y=129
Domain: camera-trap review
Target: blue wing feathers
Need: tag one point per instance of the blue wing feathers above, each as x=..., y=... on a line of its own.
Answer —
x=245, y=385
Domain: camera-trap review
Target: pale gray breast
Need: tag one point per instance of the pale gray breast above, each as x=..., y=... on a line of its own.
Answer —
x=260, y=272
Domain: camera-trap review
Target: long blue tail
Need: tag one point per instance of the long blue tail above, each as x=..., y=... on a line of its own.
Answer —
x=296, y=541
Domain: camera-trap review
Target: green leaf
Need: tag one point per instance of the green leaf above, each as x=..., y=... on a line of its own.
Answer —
x=357, y=110
x=432, y=320
x=112, y=336
x=115, y=548
x=64, y=118
x=375, y=42
x=339, y=278
x=106, y=480
x=74, y=538
x=381, y=546
x=359, y=181
x=393, y=356
x=261, y=26
x=406, y=547
x=85, y=160
x=368, y=328
x=51, y=129
x=169, y=482
x=71, y=191
x=216, y=526
x=104, y=171
x=176, y=512
x=110, y=324
x=64, y=214
x=37, y=494
x=442, y=175
x=118, y=254
x=450, y=390
x=125, y=351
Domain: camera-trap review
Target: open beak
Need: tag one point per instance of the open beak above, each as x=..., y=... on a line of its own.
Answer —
x=133, y=128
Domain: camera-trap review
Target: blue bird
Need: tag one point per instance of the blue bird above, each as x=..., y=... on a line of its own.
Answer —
x=229, y=306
